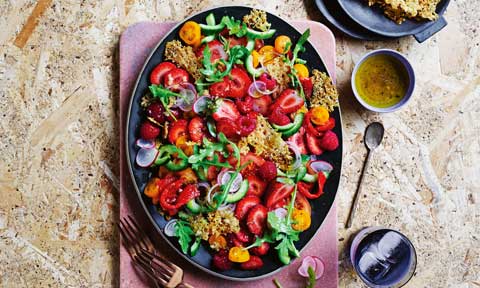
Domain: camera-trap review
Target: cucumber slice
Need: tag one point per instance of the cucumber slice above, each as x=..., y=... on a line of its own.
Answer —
x=207, y=39
x=282, y=128
x=253, y=34
x=212, y=29
x=250, y=45
x=195, y=246
x=302, y=171
x=252, y=70
x=210, y=19
x=242, y=191
x=297, y=123
x=193, y=206
x=310, y=178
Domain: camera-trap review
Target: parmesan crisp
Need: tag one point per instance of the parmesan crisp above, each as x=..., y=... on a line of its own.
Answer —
x=183, y=57
x=400, y=10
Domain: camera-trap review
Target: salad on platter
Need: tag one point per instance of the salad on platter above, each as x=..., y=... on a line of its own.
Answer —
x=235, y=122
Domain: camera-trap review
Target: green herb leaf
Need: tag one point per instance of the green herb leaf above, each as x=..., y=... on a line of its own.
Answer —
x=184, y=233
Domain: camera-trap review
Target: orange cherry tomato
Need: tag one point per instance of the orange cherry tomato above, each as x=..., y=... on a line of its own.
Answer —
x=238, y=255
x=302, y=70
x=188, y=175
x=256, y=58
x=267, y=54
x=302, y=220
x=283, y=44
x=190, y=33
x=320, y=115
x=217, y=241
x=152, y=189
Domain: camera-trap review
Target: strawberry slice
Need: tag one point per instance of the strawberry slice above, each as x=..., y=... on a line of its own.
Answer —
x=256, y=186
x=262, y=104
x=276, y=192
x=243, y=236
x=149, y=131
x=261, y=250
x=307, y=85
x=226, y=109
x=229, y=128
x=289, y=101
x=216, y=50
x=240, y=81
x=244, y=205
x=257, y=219
x=221, y=89
x=278, y=117
x=313, y=144
x=299, y=141
x=254, y=263
x=246, y=105
x=159, y=71
x=178, y=129
x=197, y=129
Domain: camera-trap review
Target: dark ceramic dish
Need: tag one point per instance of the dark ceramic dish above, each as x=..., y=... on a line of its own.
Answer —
x=373, y=19
x=140, y=176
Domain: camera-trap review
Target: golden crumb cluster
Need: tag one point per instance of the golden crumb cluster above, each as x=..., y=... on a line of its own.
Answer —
x=279, y=71
x=183, y=57
x=257, y=19
x=267, y=143
x=219, y=222
x=324, y=91
x=399, y=10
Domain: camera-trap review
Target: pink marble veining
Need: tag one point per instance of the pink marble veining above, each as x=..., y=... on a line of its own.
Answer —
x=135, y=45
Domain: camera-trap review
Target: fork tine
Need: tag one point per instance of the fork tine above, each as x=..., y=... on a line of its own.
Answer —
x=135, y=231
x=144, y=239
x=147, y=270
x=126, y=240
x=159, y=259
x=160, y=277
x=153, y=259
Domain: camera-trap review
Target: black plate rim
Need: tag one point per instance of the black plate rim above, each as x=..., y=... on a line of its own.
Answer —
x=134, y=182
x=321, y=6
x=421, y=25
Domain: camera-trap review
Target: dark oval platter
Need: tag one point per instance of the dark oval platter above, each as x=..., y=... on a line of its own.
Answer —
x=140, y=176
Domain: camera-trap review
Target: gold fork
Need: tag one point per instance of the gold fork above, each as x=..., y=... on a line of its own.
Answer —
x=144, y=255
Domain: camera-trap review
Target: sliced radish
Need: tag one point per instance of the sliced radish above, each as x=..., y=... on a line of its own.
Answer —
x=170, y=228
x=147, y=144
x=314, y=262
x=212, y=190
x=201, y=105
x=322, y=166
x=146, y=157
x=228, y=207
x=225, y=175
x=258, y=89
x=298, y=156
x=280, y=212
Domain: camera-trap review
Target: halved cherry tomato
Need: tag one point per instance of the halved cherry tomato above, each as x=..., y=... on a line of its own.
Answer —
x=190, y=33
x=173, y=197
x=302, y=220
x=276, y=192
x=302, y=203
x=259, y=44
x=320, y=115
x=240, y=81
x=302, y=70
x=267, y=54
x=159, y=71
x=175, y=77
x=188, y=175
x=178, y=129
x=283, y=44
x=216, y=50
x=238, y=255
x=327, y=126
x=255, y=58
x=218, y=241
x=152, y=189
x=181, y=143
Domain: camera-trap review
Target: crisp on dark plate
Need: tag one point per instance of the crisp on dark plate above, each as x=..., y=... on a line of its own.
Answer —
x=140, y=176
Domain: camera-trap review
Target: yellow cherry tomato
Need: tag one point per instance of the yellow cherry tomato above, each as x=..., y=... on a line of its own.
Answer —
x=267, y=54
x=256, y=58
x=187, y=175
x=320, y=115
x=217, y=241
x=181, y=143
x=302, y=70
x=238, y=255
x=283, y=44
x=301, y=219
x=190, y=33
x=152, y=189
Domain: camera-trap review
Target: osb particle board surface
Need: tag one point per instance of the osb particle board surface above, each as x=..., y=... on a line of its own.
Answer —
x=59, y=139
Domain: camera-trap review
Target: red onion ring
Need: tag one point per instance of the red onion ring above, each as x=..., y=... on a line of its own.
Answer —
x=314, y=262
x=298, y=155
x=321, y=166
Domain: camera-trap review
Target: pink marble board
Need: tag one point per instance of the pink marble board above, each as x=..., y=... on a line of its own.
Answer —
x=136, y=43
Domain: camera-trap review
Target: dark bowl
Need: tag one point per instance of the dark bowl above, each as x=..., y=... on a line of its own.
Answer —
x=140, y=176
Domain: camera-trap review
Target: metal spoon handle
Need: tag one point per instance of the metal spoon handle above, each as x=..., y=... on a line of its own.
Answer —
x=358, y=192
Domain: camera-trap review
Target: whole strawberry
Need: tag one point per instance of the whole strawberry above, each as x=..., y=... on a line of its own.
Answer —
x=220, y=260
x=149, y=131
x=268, y=171
x=329, y=141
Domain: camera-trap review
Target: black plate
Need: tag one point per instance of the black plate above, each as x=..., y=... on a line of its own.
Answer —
x=373, y=19
x=334, y=14
x=140, y=176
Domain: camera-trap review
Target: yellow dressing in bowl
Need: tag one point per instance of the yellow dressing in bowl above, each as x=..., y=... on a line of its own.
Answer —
x=381, y=81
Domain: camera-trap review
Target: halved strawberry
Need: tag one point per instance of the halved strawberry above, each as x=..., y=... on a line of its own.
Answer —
x=244, y=205
x=261, y=250
x=246, y=105
x=226, y=109
x=178, y=129
x=175, y=76
x=262, y=104
x=257, y=219
x=243, y=236
x=289, y=101
x=228, y=127
x=232, y=241
x=221, y=89
x=269, y=81
x=268, y=171
x=240, y=81
x=159, y=71
x=307, y=85
x=313, y=144
x=276, y=192
x=149, y=131
x=254, y=263
x=247, y=125
x=278, y=117
x=197, y=129
x=216, y=50
x=299, y=140
x=250, y=156
x=256, y=186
